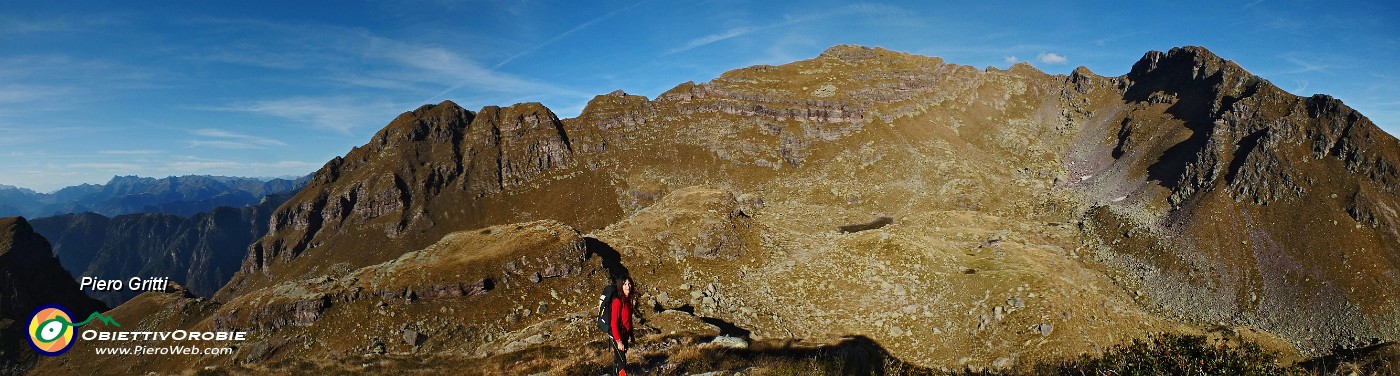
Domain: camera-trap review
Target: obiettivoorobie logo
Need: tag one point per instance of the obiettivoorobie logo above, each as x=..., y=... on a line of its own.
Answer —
x=51, y=328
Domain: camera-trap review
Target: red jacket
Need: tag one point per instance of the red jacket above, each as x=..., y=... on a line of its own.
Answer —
x=621, y=318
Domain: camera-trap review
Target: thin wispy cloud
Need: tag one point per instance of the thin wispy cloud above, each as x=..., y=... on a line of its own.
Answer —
x=881, y=14
x=29, y=134
x=894, y=15
x=1299, y=89
x=1304, y=66
x=294, y=165
x=105, y=166
x=408, y=68
x=1011, y=60
x=187, y=166
x=400, y=74
x=340, y=114
x=789, y=47
x=11, y=26
x=31, y=80
x=130, y=152
x=382, y=83
x=30, y=93
x=1051, y=58
x=434, y=65
x=219, y=133
x=1283, y=24
x=221, y=144
x=565, y=34
x=41, y=83
x=236, y=168
x=223, y=139
x=261, y=59
x=712, y=38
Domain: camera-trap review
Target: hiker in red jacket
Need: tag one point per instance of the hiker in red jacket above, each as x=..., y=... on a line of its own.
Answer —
x=621, y=324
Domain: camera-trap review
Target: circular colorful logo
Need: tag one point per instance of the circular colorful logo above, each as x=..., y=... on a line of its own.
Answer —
x=51, y=330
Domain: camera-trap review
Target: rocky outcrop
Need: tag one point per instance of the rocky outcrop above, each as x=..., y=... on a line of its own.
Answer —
x=529, y=141
x=461, y=265
x=722, y=100
x=692, y=222
x=436, y=155
x=30, y=277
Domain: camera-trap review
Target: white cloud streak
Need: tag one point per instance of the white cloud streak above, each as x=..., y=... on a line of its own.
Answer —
x=260, y=59
x=1302, y=85
x=27, y=93
x=340, y=114
x=712, y=38
x=892, y=13
x=10, y=26
x=219, y=144
x=228, y=140
x=432, y=65
x=1051, y=58
x=400, y=72
x=1306, y=66
x=130, y=152
x=106, y=166
x=33, y=84
x=234, y=168
x=30, y=134
x=565, y=34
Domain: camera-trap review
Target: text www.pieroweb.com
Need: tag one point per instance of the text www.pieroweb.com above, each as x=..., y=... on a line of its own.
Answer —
x=164, y=350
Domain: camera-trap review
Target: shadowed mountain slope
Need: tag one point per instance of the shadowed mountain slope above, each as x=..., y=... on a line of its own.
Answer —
x=30, y=277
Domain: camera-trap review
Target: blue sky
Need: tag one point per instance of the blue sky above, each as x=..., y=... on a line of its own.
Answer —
x=251, y=88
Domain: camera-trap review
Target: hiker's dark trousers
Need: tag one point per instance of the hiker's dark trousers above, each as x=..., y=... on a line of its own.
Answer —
x=619, y=360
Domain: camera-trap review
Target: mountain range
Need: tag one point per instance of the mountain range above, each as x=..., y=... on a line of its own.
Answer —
x=178, y=195
x=938, y=216
x=200, y=252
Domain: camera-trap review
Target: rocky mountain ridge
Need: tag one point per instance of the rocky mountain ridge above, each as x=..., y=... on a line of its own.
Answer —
x=390, y=185
x=1232, y=171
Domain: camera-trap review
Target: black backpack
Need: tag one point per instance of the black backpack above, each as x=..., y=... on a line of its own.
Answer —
x=605, y=309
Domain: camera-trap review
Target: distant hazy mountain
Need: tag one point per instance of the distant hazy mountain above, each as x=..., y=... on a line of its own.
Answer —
x=15, y=200
x=182, y=195
x=201, y=251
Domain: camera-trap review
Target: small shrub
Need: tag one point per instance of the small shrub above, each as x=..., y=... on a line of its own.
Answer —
x=1172, y=354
